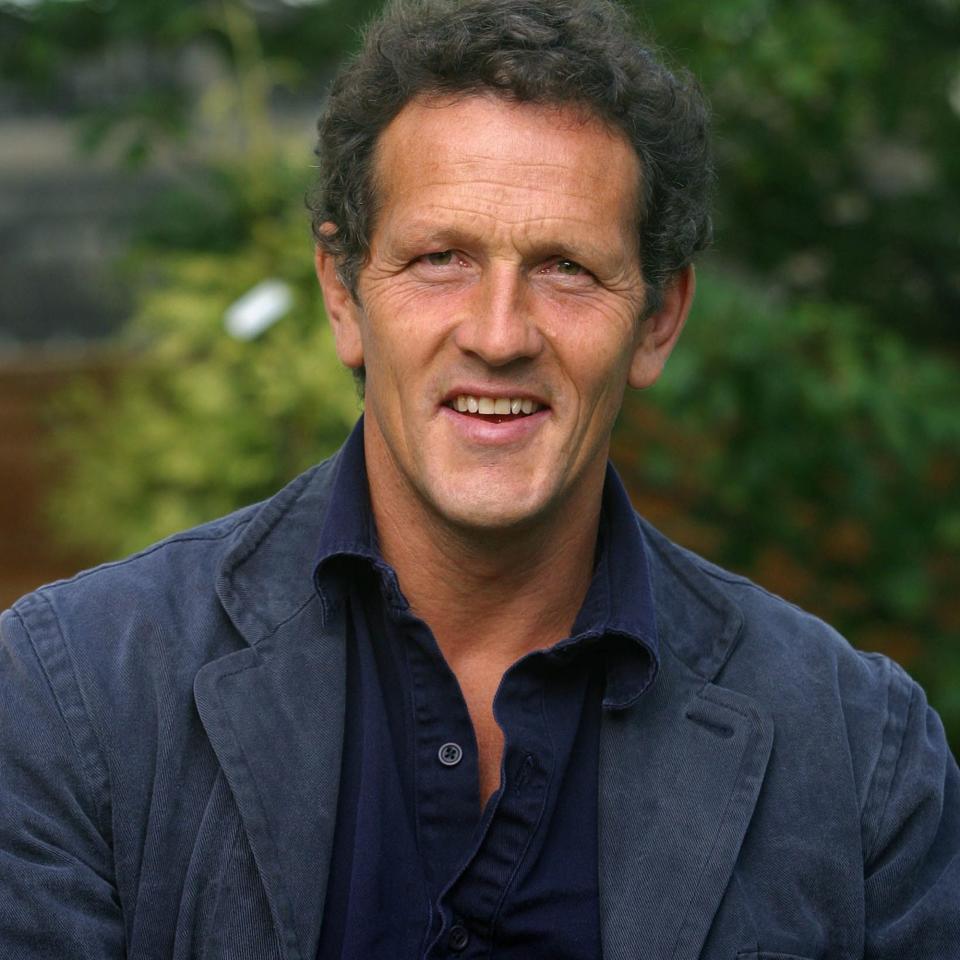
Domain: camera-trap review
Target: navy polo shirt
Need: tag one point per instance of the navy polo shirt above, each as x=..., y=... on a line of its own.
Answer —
x=419, y=870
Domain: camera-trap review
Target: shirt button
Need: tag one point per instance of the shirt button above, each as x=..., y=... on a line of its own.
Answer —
x=450, y=755
x=458, y=938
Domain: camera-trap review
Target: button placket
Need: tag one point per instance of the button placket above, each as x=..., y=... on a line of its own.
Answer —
x=444, y=790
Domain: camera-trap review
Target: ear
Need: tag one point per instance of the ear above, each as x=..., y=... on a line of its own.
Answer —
x=660, y=331
x=342, y=310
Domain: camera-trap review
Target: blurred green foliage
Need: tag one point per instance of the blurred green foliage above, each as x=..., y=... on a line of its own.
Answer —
x=801, y=445
x=837, y=121
x=806, y=431
x=136, y=60
x=198, y=422
x=838, y=141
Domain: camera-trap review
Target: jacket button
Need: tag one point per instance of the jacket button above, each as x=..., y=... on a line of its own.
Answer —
x=458, y=938
x=450, y=754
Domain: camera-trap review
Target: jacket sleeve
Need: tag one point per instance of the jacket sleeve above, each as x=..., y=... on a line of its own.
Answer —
x=57, y=894
x=912, y=835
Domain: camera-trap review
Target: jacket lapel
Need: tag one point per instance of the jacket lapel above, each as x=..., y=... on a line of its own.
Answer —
x=274, y=711
x=680, y=772
x=276, y=724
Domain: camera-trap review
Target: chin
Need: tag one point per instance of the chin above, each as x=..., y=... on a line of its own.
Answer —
x=483, y=512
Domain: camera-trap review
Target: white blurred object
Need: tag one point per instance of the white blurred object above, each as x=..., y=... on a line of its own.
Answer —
x=258, y=309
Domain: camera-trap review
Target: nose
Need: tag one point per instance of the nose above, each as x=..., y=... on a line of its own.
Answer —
x=498, y=325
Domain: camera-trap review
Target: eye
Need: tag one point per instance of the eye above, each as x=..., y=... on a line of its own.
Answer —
x=441, y=266
x=565, y=267
x=569, y=268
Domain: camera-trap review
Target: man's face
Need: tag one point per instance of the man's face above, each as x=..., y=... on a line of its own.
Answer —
x=499, y=311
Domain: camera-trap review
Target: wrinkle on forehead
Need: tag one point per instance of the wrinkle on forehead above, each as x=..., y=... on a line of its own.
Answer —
x=520, y=184
x=496, y=172
x=499, y=148
x=510, y=207
x=506, y=176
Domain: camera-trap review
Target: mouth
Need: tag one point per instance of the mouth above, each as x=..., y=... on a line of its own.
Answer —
x=494, y=409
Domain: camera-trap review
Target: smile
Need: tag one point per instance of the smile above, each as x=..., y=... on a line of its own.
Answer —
x=494, y=406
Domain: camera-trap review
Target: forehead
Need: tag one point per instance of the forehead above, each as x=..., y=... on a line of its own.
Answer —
x=489, y=157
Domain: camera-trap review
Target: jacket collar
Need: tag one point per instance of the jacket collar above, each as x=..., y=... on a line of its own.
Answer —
x=261, y=581
x=274, y=712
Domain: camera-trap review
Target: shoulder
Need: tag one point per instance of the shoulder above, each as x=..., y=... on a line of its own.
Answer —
x=166, y=584
x=108, y=657
x=736, y=622
x=160, y=608
x=860, y=797
x=826, y=698
x=847, y=724
x=788, y=653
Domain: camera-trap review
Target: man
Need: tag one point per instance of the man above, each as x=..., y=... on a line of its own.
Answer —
x=446, y=695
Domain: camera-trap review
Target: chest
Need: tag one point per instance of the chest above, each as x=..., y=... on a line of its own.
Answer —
x=227, y=891
x=418, y=855
x=479, y=690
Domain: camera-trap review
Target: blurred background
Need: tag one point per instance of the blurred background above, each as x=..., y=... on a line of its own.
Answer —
x=164, y=356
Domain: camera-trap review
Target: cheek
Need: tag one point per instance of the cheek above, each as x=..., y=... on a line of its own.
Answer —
x=392, y=301
x=597, y=316
x=405, y=295
x=596, y=346
x=404, y=323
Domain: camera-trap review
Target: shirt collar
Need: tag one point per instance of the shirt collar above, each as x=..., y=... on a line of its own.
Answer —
x=348, y=529
x=619, y=602
x=618, y=608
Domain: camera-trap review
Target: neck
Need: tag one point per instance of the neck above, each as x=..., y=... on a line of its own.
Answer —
x=491, y=594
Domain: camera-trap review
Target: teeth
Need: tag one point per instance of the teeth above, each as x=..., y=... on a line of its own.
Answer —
x=500, y=406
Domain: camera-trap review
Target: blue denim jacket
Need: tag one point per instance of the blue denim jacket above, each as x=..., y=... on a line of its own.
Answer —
x=170, y=737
